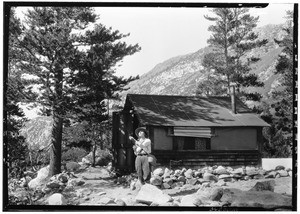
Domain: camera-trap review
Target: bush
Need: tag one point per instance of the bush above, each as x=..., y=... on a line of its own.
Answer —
x=103, y=157
x=74, y=154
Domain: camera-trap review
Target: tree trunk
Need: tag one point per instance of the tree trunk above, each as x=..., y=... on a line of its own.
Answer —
x=55, y=151
x=56, y=138
x=94, y=155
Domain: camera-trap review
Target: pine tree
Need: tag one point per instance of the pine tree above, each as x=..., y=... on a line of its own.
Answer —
x=14, y=144
x=279, y=110
x=232, y=38
x=54, y=54
x=95, y=81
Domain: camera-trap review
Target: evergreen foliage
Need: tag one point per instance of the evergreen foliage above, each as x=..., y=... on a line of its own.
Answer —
x=232, y=38
x=14, y=144
x=279, y=110
x=70, y=60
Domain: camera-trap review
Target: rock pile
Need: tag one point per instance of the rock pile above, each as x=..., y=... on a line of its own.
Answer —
x=218, y=175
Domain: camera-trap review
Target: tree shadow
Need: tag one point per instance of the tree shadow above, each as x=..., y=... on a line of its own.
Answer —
x=185, y=111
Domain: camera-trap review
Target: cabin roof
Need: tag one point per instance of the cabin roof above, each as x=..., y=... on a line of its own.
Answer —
x=190, y=111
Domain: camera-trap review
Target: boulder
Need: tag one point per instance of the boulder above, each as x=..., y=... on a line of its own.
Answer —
x=251, y=173
x=63, y=177
x=158, y=172
x=177, y=172
x=263, y=199
x=30, y=174
x=189, y=173
x=220, y=170
x=271, y=174
x=198, y=174
x=277, y=175
x=290, y=173
x=149, y=194
x=101, y=193
x=239, y=171
x=85, y=161
x=119, y=202
x=237, y=176
x=168, y=181
x=83, y=192
x=209, y=177
x=46, y=190
x=224, y=176
x=177, y=184
x=220, y=183
x=106, y=200
x=43, y=173
x=156, y=180
x=183, y=170
x=206, y=185
x=262, y=172
x=57, y=199
x=246, y=178
x=132, y=185
x=53, y=184
x=166, y=186
x=279, y=167
x=192, y=181
x=258, y=176
x=209, y=194
x=190, y=201
x=181, y=179
x=264, y=186
x=283, y=173
x=75, y=182
x=216, y=194
x=288, y=169
x=41, y=177
x=167, y=173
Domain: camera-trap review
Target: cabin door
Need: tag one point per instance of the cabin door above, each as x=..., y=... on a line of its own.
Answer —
x=122, y=147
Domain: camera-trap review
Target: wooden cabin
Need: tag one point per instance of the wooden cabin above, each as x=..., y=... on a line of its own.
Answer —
x=189, y=131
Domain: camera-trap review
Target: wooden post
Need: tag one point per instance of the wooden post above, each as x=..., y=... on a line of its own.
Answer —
x=259, y=145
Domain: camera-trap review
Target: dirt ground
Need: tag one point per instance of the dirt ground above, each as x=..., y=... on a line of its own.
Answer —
x=99, y=184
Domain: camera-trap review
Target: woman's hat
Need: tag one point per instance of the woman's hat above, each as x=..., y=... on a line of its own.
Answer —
x=141, y=129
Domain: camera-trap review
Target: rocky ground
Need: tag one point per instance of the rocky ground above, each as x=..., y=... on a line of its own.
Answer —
x=206, y=187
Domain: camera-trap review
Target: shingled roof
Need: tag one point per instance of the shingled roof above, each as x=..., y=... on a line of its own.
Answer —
x=164, y=110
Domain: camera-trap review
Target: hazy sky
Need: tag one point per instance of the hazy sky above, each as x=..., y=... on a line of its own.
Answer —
x=163, y=33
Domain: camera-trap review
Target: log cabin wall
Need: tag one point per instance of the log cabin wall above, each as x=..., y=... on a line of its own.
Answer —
x=229, y=146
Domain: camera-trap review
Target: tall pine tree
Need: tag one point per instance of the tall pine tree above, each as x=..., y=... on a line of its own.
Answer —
x=232, y=38
x=279, y=109
x=54, y=56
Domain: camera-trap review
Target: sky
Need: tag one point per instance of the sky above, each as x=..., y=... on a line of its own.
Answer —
x=163, y=33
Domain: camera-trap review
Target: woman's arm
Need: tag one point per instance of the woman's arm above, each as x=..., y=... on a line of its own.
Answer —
x=132, y=138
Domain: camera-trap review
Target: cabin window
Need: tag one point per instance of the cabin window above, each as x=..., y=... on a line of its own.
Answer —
x=191, y=143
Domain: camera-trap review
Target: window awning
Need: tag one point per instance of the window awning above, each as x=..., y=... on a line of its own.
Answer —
x=193, y=132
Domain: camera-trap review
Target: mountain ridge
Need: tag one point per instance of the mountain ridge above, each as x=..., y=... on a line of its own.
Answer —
x=180, y=75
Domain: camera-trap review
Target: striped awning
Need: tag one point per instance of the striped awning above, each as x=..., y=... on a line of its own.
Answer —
x=193, y=131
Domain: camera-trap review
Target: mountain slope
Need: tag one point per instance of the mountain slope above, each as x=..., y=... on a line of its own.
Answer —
x=181, y=75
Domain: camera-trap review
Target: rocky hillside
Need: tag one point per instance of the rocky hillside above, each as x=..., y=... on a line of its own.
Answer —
x=181, y=75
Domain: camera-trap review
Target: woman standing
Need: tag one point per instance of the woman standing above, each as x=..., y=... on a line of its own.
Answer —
x=142, y=149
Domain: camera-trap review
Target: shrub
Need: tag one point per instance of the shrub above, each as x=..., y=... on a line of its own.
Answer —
x=72, y=166
x=74, y=154
x=103, y=157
